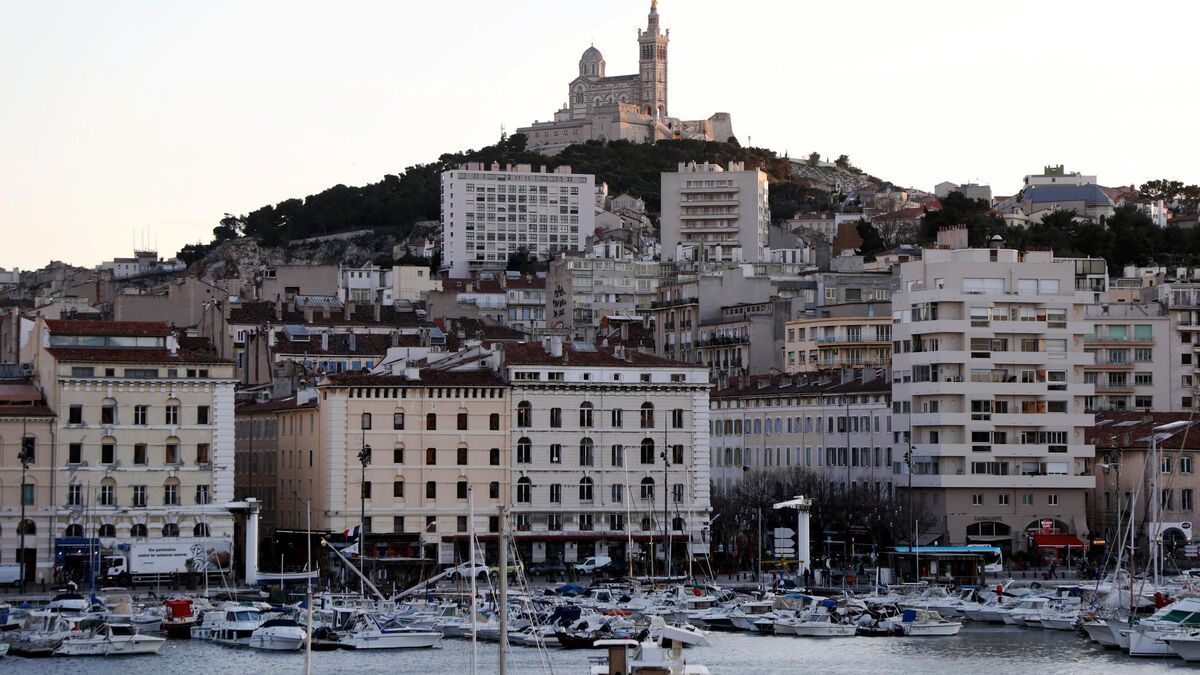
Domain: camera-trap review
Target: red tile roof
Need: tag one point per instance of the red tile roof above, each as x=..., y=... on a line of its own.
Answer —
x=1131, y=429
x=481, y=378
x=532, y=353
x=533, y=281
x=25, y=411
x=137, y=355
x=124, y=328
x=274, y=405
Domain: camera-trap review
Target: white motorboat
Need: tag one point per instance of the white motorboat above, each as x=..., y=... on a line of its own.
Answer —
x=1060, y=621
x=41, y=633
x=3, y=649
x=823, y=625
x=109, y=639
x=1099, y=633
x=236, y=626
x=278, y=635
x=1027, y=608
x=1186, y=645
x=753, y=616
x=927, y=623
x=630, y=657
x=367, y=632
x=1146, y=636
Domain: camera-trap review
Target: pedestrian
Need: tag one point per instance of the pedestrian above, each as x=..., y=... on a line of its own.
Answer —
x=1053, y=569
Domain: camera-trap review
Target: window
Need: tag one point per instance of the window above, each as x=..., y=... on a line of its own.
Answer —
x=202, y=495
x=1027, y=500
x=555, y=493
x=75, y=415
x=74, y=495
x=202, y=414
x=556, y=418
x=554, y=522
x=430, y=489
x=524, y=450
x=524, y=414
x=171, y=494
x=200, y=530
x=398, y=421
x=27, y=493
x=616, y=418
x=1002, y=499
x=647, y=454
x=494, y=422
x=173, y=415
x=462, y=421
x=1052, y=500
x=585, y=415
x=202, y=453
x=618, y=492
x=108, y=452
x=461, y=489
x=431, y=456
x=139, y=415
x=108, y=414
x=397, y=455
x=462, y=524
x=138, y=531
x=677, y=455
x=494, y=457
x=139, y=496
x=1187, y=499
x=677, y=493
x=107, y=531
x=977, y=500
x=462, y=456
x=524, y=490
x=587, y=452
x=1143, y=378
x=431, y=422
x=398, y=489
x=494, y=490
x=75, y=453
x=647, y=488
x=647, y=415
x=172, y=453
x=1168, y=500
x=618, y=455
x=1185, y=464
x=170, y=530
x=677, y=419
x=108, y=496
x=585, y=489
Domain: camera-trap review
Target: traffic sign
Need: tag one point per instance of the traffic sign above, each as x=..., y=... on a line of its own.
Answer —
x=784, y=533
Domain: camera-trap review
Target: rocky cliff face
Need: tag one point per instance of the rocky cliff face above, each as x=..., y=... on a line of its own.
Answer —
x=244, y=257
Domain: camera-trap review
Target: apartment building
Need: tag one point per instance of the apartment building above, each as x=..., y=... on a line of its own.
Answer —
x=366, y=284
x=256, y=458
x=836, y=423
x=1122, y=470
x=27, y=472
x=812, y=345
x=988, y=386
x=433, y=438
x=610, y=449
x=581, y=292
x=144, y=436
x=1182, y=301
x=526, y=302
x=1137, y=365
x=489, y=214
x=712, y=213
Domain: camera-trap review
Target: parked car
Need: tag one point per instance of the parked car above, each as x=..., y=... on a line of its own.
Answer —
x=549, y=568
x=590, y=564
x=10, y=574
x=463, y=571
x=612, y=570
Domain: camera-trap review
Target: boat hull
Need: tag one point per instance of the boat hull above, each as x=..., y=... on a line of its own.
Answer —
x=392, y=641
x=1186, y=647
x=141, y=644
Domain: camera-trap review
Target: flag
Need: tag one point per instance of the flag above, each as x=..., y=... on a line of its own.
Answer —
x=351, y=550
x=351, y=533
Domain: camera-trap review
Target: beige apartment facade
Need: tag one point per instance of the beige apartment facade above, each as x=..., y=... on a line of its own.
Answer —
x=438, y=441
x=813, y=345
x=26, y=432
x=988, y=387
x=144, y=447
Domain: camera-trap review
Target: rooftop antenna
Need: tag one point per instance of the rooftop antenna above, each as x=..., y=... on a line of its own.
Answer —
x=503, y=133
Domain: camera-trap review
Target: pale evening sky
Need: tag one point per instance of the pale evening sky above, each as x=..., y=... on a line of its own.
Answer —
x=124, y=118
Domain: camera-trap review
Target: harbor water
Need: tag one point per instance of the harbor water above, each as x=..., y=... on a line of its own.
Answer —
x=980, y=649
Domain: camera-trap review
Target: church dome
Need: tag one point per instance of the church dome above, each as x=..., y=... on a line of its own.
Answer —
x=591, y=64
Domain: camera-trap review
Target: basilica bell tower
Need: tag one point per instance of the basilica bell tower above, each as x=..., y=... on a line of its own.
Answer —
x=652, y=64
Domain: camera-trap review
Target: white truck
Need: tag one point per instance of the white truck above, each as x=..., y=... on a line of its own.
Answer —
x=162, y=561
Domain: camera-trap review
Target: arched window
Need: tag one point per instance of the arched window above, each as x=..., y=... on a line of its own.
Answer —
x=757, y=426
x=170, y=530
x=988, y=529
x=647, y=415
x=139, y=531
x=646, y=524
x=587, y=452
x=585, y=489
x=27, y=527
x=430, y=489
x=648, y=488
x=524, y=450
x=200, y=530
x=75, y=530
x=677, y=524
x=647, y=451
x=524, y=490
x=585, y=415
x=108, y=531
x=462, y=420
x=524, y=414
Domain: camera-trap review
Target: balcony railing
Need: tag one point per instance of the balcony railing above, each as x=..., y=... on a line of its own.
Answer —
x=656, y=304
x=1112, y=338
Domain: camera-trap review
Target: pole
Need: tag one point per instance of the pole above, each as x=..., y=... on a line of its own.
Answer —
x=24, y=457
x=666, y=489
x=308, y=600
x=1154, y=497
x=758, y=577
x=471, y=606
x=503, y=582
x=362, y=506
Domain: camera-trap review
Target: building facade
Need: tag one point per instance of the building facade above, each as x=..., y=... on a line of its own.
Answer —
x=711, y=213
x=838, y=342
x=27, y=476
x=489, y=214
x=988, y=386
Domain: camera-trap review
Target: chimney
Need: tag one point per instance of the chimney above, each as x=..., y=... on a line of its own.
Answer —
x=172, y=344
x=395, y=338
x=278, y=307
x=308, y=314
x=325, y=312
x=353, y=343
x=411, y=373
x=324, y=342
x=556, y=346
x=377, y=310
x=347, y=310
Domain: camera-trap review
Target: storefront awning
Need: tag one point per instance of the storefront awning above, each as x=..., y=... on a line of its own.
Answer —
x=1057, y=541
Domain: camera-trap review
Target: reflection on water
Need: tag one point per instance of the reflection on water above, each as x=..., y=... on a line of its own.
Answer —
x=983, y=650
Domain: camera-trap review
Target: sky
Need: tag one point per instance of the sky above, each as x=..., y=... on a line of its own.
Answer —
x=142, y=123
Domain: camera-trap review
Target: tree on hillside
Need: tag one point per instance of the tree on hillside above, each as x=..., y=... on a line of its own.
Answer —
x=959, y=210
x=1162, y=188
x=872, y=243
x=1135, y=237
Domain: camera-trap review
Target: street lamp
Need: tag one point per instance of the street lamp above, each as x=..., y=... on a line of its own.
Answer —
x=1160, y=432
x=364, y=458
x=26, y=457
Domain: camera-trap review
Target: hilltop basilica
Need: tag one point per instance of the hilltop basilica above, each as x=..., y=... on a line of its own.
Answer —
x=630, y=107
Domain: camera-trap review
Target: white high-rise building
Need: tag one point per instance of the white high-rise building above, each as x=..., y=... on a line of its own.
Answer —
x=489, y=214
x=988, y=387
x=711, y=213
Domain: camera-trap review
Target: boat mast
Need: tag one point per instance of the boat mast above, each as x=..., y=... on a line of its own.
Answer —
x=471, y=605
x=308, y=600
x=503, y=575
